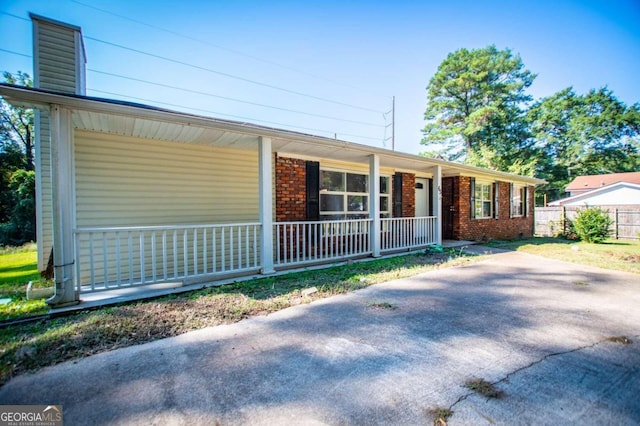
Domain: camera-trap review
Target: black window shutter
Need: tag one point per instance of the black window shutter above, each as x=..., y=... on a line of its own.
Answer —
x=496, y=200
x=525, y=207
x=313, y=190
x=397, y=195
x=472, y=188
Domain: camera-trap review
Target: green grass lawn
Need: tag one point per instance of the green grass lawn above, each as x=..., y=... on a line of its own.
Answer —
x=18, y=266
x=621, y=255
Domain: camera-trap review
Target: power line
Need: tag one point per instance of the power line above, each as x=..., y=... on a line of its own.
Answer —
x=15, y=53
x=217, y=46
x=15, y=16
x=235, y=77
x=228, y=75
x=229, y=115
x=219, y=73
x=198, y=92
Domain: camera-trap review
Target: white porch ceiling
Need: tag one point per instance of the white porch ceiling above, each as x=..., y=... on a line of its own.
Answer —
x=160, y=130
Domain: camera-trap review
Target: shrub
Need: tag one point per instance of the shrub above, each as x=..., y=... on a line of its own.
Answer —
x=592, y=224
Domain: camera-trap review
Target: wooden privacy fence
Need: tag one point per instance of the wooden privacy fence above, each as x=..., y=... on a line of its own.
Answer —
x=553, y=221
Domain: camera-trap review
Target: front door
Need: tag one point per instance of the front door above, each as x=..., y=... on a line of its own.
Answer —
x=420, y=231
x=448, y=208
x=422, y=197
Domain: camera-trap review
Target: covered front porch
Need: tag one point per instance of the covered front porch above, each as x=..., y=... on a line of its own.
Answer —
x=143, y=197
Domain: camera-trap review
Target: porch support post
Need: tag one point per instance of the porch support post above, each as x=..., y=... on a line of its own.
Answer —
x=266, y=204
x=374, y=203
x=62, y=194
x=437, y=202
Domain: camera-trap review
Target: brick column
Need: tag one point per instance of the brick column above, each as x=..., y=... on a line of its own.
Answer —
x=291, y=189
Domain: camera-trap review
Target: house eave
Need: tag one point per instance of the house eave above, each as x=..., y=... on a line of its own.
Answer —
x=294, y=141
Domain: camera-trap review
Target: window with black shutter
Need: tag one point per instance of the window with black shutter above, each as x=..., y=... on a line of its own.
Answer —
x=313, y=190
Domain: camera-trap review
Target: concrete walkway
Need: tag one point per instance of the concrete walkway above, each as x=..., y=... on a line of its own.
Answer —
x=388, y=354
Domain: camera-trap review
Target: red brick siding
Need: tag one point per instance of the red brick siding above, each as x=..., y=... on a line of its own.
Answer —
x=291, y=189
x=504, y=228
x=408, y=195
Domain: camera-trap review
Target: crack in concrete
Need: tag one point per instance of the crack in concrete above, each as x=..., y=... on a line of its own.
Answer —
x=536, y=362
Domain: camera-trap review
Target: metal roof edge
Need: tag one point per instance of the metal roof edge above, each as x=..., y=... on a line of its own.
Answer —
x=37, y=17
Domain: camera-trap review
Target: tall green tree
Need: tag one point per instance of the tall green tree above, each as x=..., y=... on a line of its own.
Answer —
x=476, y=109
x=16, y=123
x=587, y=134
x=17, y=176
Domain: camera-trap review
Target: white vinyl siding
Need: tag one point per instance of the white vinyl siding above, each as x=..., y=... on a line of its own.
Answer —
x=124, y=181
x=351, y=167
x=58, y=54
x=58, y=51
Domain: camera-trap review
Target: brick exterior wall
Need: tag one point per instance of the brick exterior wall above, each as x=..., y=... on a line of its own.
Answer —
x=291, y=189
x=290, y=194
x=408, y=195
x=503, y=228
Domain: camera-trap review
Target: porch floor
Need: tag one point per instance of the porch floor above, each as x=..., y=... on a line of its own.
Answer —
x=129, y=294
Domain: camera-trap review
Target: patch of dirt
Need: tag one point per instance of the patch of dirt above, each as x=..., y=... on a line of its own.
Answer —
x=383, y=305
x=632, y=258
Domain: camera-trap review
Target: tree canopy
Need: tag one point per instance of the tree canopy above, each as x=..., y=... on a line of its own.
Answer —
x=475, y=102
x=17, y=176
x=479, y=112
x=587, y=134
x=16, y=124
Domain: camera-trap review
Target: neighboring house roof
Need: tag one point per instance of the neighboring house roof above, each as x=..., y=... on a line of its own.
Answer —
x=588, y=183
x=120, y=117
x=619, y=193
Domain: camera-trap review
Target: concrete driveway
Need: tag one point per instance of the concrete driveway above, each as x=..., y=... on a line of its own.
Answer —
x=389, y=354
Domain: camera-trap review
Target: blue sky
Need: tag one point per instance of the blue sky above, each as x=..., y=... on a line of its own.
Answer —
x=353, y=54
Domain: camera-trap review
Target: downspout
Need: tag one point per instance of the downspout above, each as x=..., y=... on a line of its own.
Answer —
x=62, y=195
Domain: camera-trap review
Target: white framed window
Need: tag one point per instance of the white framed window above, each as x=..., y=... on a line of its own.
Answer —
x=483, y=200
x=345, y=195
x=385, y=196
x=518, y=200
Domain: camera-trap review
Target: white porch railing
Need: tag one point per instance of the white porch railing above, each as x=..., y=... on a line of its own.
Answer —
x=122, y=257
x=407, y=232
x=109, y=258
x=306, y=242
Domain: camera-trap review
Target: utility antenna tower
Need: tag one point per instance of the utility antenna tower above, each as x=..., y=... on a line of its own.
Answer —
x=392, y=125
